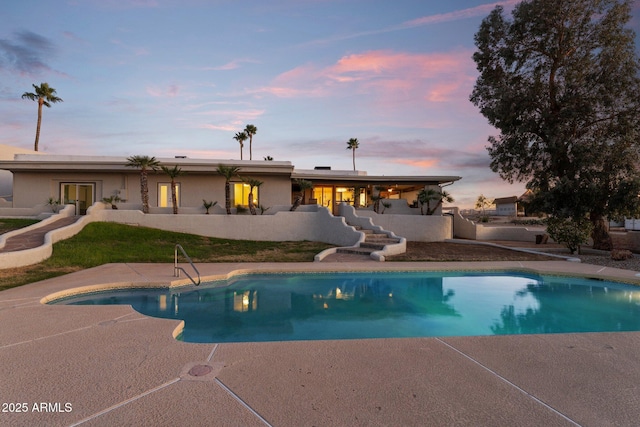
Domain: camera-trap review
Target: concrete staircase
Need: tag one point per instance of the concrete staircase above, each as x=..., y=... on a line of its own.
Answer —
x=373, y=242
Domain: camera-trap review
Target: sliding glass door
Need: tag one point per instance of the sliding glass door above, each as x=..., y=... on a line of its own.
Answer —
x=79, y=194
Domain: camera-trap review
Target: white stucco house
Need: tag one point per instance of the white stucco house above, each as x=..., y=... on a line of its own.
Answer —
x=84, y=180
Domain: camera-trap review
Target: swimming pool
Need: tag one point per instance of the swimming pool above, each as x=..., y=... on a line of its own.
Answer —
x=317, y=306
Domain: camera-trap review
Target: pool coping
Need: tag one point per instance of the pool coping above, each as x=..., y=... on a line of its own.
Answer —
x=565, y=268
x=113, y=364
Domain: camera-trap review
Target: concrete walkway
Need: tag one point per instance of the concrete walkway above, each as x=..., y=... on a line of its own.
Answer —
x=109, y=365
x=34, y=238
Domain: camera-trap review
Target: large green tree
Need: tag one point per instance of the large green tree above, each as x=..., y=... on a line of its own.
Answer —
x=559, y=80
x=145, y=164
x=45, y=95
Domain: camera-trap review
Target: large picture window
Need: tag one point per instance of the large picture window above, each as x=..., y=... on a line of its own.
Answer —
x=164, y=195
x=241, y=194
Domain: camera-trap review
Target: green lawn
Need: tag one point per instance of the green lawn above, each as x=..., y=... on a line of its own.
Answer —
x=100, y=243
x=10, y=224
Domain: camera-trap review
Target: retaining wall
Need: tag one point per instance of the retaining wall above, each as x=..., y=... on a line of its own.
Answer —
x=467, y=229
x=310, y=223
x=415, y=228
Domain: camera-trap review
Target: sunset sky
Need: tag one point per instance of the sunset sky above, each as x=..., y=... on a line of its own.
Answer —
x=181, y=77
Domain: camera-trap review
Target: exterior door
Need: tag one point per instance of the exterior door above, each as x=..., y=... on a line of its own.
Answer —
x=81, y=195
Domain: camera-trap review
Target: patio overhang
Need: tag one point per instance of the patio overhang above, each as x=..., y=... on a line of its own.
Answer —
x=353, y=179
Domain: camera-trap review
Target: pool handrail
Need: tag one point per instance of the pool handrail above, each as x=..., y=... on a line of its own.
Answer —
x=177, y=269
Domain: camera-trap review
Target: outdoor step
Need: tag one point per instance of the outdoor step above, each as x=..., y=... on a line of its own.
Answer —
x=376, y=246
x=377, y=236
x=359, y=250
x=364, y=230
x=385, y=240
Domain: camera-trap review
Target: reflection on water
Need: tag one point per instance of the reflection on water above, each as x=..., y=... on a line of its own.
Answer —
x=281, y=307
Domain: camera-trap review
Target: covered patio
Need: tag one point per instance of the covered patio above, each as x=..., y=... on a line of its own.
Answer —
x=330, y=188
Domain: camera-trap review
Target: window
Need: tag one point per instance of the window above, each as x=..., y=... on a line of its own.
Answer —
x=241, y=194
x=164, y=195
x=323, y=195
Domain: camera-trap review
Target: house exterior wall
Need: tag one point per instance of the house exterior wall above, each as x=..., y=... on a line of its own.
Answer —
x=35, y=188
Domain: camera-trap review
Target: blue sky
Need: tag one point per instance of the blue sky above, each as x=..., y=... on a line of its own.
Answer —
x=181, y=77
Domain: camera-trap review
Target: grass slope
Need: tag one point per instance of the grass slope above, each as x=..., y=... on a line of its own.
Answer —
x=101, y=243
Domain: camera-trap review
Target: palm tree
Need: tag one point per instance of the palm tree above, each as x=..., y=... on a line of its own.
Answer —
x=228, y=172
x=377, y=198
x=352, y=145
x=304, y=186
x=46, y=96
x=173, y=173
x=241, y=137
x=425, y=197
x=208, y=205
x=144, y=163
x=253, y=183
x=250, y=130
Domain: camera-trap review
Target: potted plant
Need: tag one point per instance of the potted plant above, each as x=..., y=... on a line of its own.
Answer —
x=208, y=205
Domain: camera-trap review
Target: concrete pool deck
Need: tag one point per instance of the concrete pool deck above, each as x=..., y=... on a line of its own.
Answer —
x=109, y=365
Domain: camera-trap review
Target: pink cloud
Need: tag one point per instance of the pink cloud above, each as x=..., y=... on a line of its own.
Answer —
x=387, y=78
x=427, y=163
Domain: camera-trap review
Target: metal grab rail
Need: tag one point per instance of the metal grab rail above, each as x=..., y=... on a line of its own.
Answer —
x=177, y=269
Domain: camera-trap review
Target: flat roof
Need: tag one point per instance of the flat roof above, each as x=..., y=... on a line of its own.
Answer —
x=48, y=162
x=353, y=178
x=55, y=162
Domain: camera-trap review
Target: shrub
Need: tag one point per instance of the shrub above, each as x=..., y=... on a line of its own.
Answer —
x=569, y=232
x=621, y=254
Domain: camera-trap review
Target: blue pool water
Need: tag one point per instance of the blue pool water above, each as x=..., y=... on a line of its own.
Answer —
x=284, y=307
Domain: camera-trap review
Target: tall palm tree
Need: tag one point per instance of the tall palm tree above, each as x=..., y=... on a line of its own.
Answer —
x=241, y=137
x=250, y=130
x=352, y=145
x=425, y=197
x=45, y=95
x=228, y=172
x=144, y=163
x=173, y=173
x=253, y=183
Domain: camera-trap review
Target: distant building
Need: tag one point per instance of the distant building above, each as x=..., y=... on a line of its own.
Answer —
x=506, y=206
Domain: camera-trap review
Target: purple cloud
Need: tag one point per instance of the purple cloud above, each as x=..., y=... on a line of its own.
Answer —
x=25, y=52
